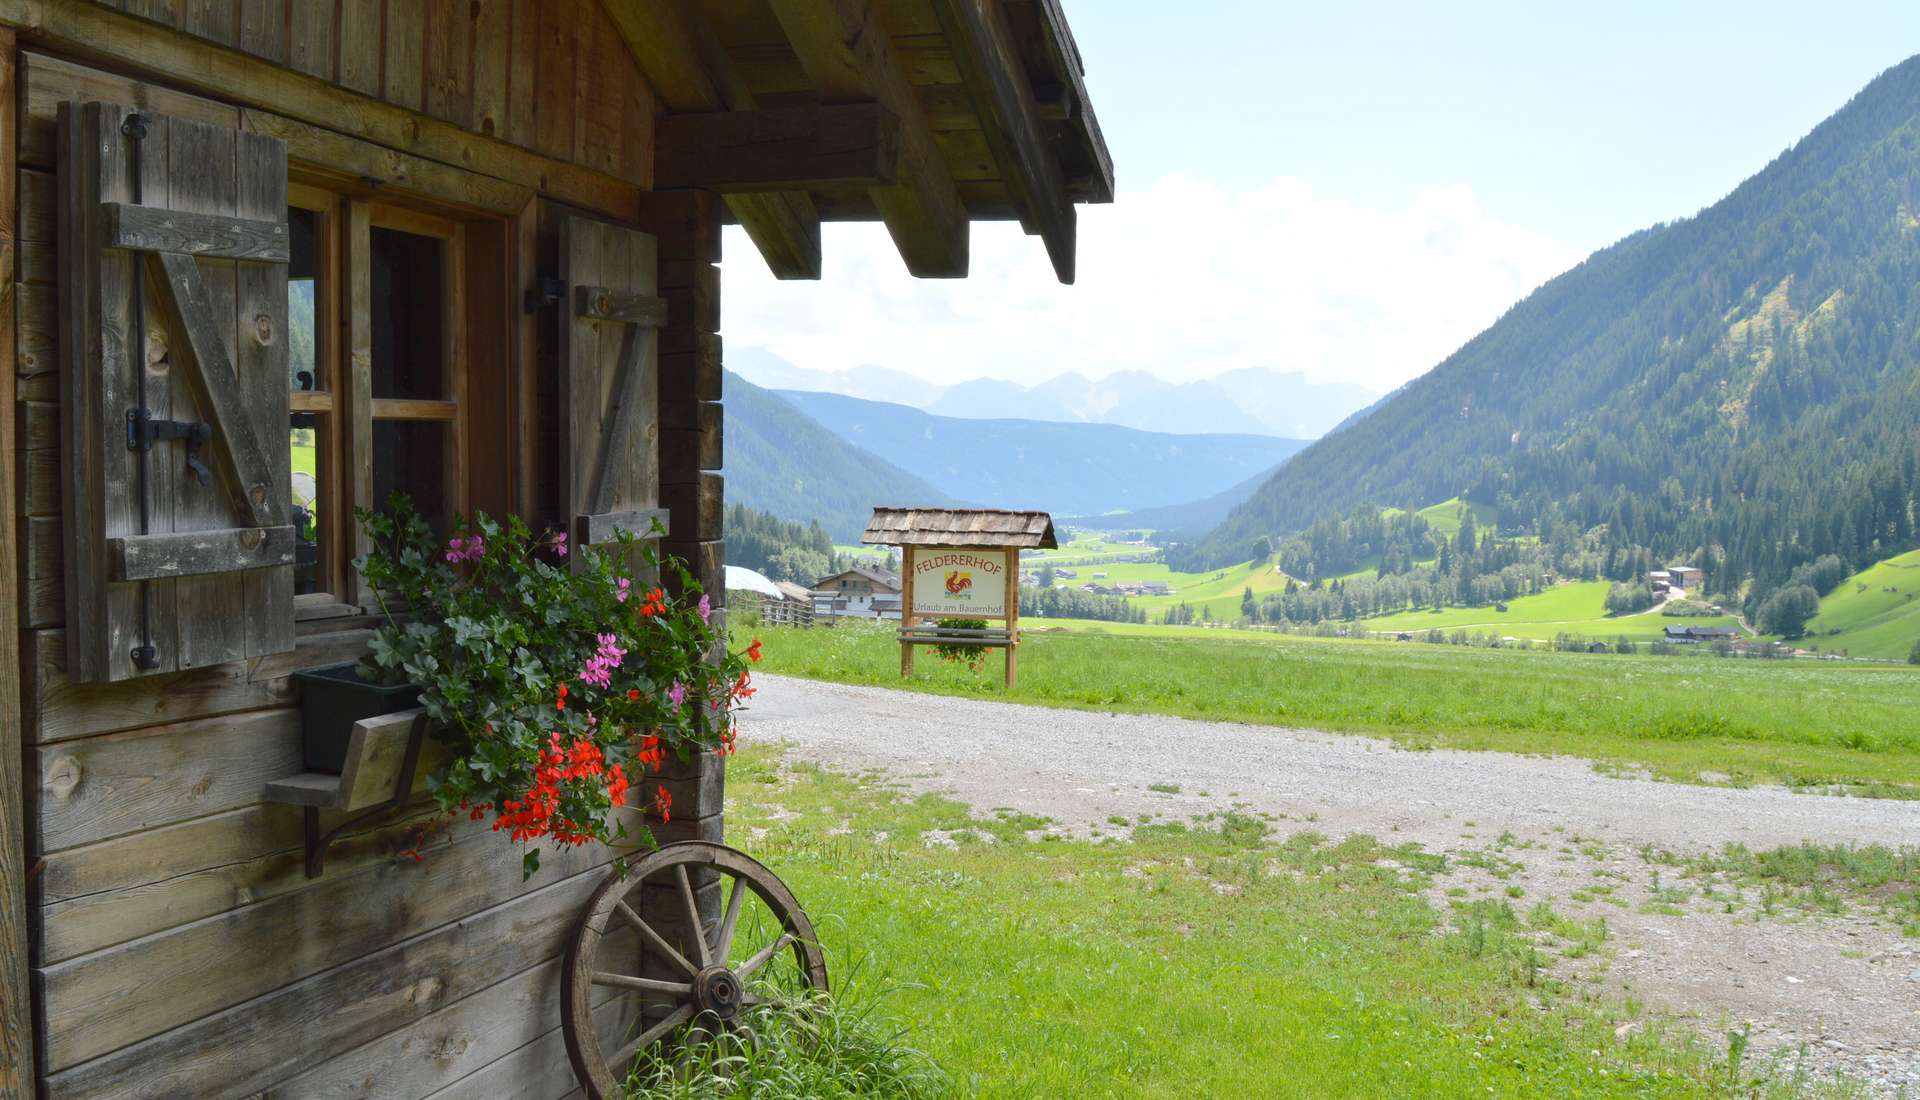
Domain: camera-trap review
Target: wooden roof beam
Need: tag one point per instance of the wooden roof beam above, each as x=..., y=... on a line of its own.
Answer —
x=688, y=69
x=848, y=55
x=996, y=77
x=786, y=149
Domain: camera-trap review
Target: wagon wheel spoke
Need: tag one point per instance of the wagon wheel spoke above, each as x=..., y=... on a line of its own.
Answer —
x=730, y=921
x=643, y=985
x=746, y=969
x=640, y=1042
x=606, y=999
x=696, y=933
x=654, y=939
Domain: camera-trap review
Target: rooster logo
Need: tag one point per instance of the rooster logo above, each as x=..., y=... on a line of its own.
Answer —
x=958, y=582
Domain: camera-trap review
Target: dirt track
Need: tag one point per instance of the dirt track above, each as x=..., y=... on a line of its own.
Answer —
x=1844, y=990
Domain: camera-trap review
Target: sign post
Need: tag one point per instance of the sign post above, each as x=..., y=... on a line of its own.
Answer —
x=960, y=565
x=906, y=609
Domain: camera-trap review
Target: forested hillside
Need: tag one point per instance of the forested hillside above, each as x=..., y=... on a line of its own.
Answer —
x=1740, y=388
x=780, y=461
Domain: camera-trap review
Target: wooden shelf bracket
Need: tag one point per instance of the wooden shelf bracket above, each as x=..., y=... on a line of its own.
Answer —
x=377, y=780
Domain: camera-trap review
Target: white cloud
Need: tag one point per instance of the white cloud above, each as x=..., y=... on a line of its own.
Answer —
x=1183, y=279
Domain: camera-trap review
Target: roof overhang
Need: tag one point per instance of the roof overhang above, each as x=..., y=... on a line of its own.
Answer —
x=797, y=112
x=960, y=527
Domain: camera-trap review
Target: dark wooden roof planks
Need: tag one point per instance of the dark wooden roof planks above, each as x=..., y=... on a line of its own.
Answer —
x=960, y=527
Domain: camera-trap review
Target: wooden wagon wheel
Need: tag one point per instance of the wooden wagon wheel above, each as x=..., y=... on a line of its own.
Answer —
x=710, y=970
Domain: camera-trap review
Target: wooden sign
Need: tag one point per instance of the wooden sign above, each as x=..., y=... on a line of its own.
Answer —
x=960, y=582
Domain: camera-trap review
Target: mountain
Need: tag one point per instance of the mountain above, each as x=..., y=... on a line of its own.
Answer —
x=1174, y=520
x=1288, y=404
x=988, y=398
x=782, y=462
x=1741, y=387
x=1072, y=469
x=768, y=371
x=1248, y=401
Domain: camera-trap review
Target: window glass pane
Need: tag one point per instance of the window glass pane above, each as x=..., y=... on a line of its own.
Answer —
x=408, y=321
x=304, y=436
x=303, y=274
x=410, y=456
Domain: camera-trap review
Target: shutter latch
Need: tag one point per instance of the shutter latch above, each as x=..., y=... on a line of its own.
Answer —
x=143, y=431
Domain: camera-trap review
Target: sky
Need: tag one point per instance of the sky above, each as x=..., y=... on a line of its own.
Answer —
x=1347, y=190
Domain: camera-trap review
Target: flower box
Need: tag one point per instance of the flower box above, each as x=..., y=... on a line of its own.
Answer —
x=332, y=699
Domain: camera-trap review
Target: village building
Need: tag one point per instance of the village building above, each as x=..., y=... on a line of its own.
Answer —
x=1685, y=576
x=465, y=251
x=780, y=603
x=858, y=593
x=1687, y=635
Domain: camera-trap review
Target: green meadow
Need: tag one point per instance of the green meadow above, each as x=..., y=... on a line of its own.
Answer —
x=1197, y=959
x=1874, y=613
x=1845, y=726
x=1573, y=607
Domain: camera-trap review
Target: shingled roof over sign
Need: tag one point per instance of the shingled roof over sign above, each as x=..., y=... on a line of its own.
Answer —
x=960, y=527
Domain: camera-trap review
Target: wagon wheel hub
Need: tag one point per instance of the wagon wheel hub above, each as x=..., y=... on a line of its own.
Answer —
x=717, y=990
x=702, y=945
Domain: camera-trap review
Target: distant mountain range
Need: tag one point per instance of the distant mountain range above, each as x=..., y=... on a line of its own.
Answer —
x=1185, y=520
x=1740, y=388
x=778, y=462
x=1249, y=401
x=781, y=461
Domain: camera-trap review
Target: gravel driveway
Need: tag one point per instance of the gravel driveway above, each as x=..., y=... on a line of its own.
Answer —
x=1843, y=992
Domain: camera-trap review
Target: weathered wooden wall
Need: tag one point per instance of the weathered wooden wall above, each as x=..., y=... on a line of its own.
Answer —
x=180, y=949
x=552, y=76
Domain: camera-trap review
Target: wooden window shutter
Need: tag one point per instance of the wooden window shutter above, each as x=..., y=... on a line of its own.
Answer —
x=609, y=380
x=173, y=253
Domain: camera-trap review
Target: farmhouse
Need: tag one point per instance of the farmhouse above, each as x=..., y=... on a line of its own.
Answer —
x=462, y=250
x=1685, y=576
x=1691, y=634
x=858, y=593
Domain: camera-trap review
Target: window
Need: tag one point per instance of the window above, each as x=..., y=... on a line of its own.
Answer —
x=393, y=282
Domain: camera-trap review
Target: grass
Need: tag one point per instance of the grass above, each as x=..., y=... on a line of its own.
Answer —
x=816, y=1048
x=1444, y=517
x=1193, y=962
x=1576, y=607
x=1874, y=613
x=1694, y=718
x=1819, y=878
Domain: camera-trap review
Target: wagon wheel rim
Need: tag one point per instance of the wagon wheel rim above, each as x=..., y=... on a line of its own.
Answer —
x=704, y=987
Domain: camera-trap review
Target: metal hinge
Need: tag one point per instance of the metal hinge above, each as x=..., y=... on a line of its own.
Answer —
x=545, y=291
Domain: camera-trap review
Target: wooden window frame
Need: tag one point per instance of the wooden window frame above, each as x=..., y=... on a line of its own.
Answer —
x=343, y=358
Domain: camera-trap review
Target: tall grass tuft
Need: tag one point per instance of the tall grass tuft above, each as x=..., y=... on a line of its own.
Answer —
x=809, y=1048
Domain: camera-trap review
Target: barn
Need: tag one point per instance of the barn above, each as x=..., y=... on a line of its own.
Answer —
x=465, y=249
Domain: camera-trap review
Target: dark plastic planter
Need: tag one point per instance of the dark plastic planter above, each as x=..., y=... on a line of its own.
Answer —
x=332, y=699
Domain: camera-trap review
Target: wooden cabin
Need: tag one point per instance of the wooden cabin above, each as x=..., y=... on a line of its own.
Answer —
x=461, y=248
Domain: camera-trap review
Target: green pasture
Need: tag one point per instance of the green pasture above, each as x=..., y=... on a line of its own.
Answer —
x=1574, y=607
x=1693, y=718
x=1218, y=590
x=1444, y=517
x=1197, y=958
x=1874, y=613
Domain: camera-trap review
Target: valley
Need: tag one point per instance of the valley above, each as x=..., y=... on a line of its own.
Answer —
x=1614, y=607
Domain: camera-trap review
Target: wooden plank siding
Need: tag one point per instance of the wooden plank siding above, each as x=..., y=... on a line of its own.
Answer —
x=18, y=1024
x=178, y=947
